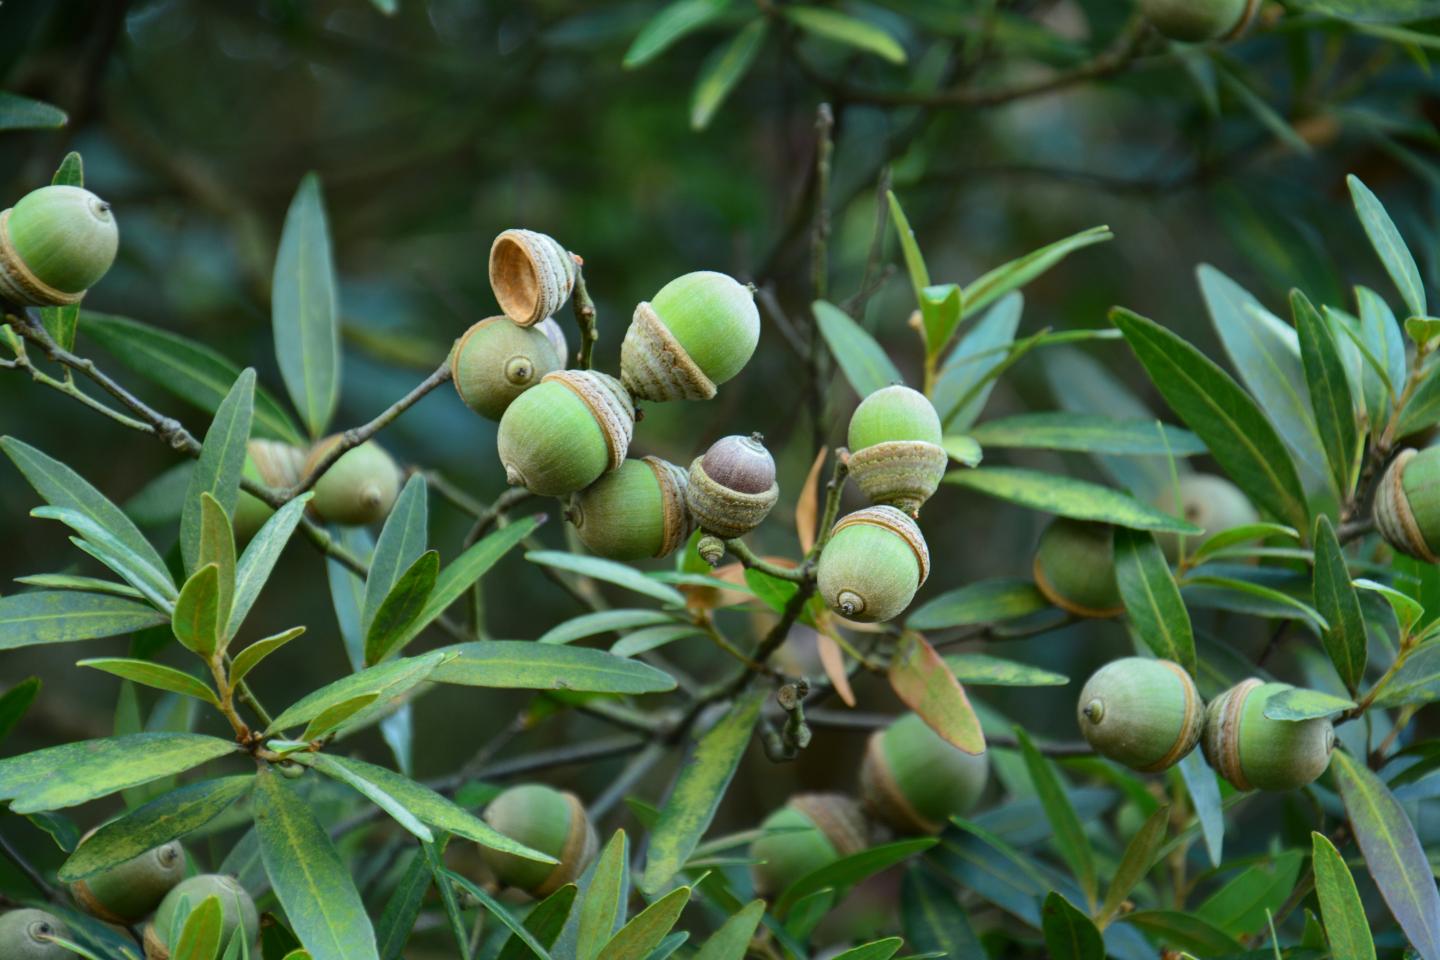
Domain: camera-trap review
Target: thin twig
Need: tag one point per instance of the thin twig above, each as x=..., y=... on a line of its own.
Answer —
x=742, y=552
x=584, y=316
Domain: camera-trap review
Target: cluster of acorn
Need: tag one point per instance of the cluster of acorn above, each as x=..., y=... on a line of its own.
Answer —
x=152, y=883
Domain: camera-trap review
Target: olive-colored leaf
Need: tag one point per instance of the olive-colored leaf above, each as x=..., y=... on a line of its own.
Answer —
x=200, y=937
x=196, y=620
x=698, y=791
x=1226, y=539
x=1382, y=337
x=1374, y=11
x=304, y=310
x=1335, y=597
x=864, y=362
x=843, y=28
x=155, y=585
x=1329, y=387
x=652, y=638
x=1069, y=835
x=603, y=621
x=259, y=558
x=964, y=450
x=984, y=601
x=1088, y=433
x=921, y=679
x=525, y=665
x=979, y=669
x=963, y=385
x=932, y=918
x=402, y=541
x=1136, y=862
x=372, y=791
x=401, y=607
x=1394, y=255
x=1184, y=931
x=1069, y=933
x=672, y=23
x=22, y=113
x=249, y=658
x=1204, y=790
x=62, y=616
x=610, y=571
x=723, y=70
x=1239, y=907
x=1152, y=600
x=544, y=922
x=501, y=913
x=875, y=950
x=222, y=458
x=604, y=901
x=732, y=940
x=1011, y=276
x=1068, y=497
x=157, y=675
x=1275, y=603
x=1299, y=703
x=65, y=581
x=849, y=870
x=1345, y=925
x=15, y=701
x=217, y=546
x=387, y=680
x=336, y=714
x=940, y=314
x=396, y=922
x=643, y=934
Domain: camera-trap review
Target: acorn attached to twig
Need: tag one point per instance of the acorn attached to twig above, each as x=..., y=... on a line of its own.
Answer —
x=55, y=244
x=697, y=332
x=914, y=780
x=1075, y=567
x=874, y=562
x=271, y=463
x=895, y=452
x=531, y=274
x=359, y=488
x=1407, y=504
x=634, y=512
x=563, y=434
x=497, y=360
x=237, y=913
x=549, y=821
x=731, y=491
x=813, y=830
x=1145, y=714
x=1254, y=752
x=128, y=892
x=25, y=935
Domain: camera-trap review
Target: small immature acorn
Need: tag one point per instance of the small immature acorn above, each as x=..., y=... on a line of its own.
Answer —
x=127, y=893
x=55, y=244
x=1196, y=21
x=544, y=819
x=633, y=512
x=1210, y=502
x=1254, y=752
x=1145, y=714
x=874, y=562
x=698, y=331
x=24, y=935
x=237, y=911
x=563, y=434
x=811, y=831
x=276, y=465
x=359, y=488
x=497, y=360
x=914, y=780
x=895, y=452
x=1075, y=567
x=532, y=275
x=1407, y=504
x=731, y=491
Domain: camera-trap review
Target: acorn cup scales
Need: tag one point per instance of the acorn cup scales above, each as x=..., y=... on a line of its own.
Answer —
x=895, y=452
x=1407, y=503
x=1145, y=714
x=696, y=333
x=561, y=435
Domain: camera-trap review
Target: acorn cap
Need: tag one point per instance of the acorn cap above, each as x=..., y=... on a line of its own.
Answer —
x=635, y=511
x=1210, y=502
x=237, y=912
x=899, y=473
x=497, y=360
x=550, y=821
x=531, y=274
x=732, y=486
x=809, y=832
x=874, y=562
x=697, y=332
x=128, y=892
x=359, y=488
x=24, y=936
x=55, y=243
x=1145, y=714
x=563, y=434
x=273, y=464
x=1075, y=568
x=1198, y=21
x=914, y=780
x=1407, y=503
x=1254, y=752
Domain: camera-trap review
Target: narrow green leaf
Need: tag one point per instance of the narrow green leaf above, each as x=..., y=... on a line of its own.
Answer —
x=843, y=28
x=1068, y=497
x=1152, y=600
x=390, y=679
x=1386, y=345
x=924, y=683
x=155, y=585
x=1204, y=790
x=1184, y=931
x=1240, y=906
x=849, y=870
x=15, y=701
x=1069, y=835
x=498, y=910
x=1012, y=276
x=1407, y=611
x=1139, y=857
x=544, y=923
x=723, y=70
x=249, y=658
x=962, y=449
x=1226, y=539
x=604, y=900
x=1345, y=925
x=1087, y=433
x=652, y=638
x=22, y=113
x=979, y=669
x=525, y=665
x=909, y=248
x=304, y=310
x=963, y=386
x=222, y=458
x=402, y=909
x=336, y=714
x=940, y=313
x=217, y=546
x=200, y=937
x=610, y=571
x=1299, y=703
x=196, y=621
x=874, y=950
x=401, y=607
x=732, y=940
x=932, y=918
x=1335, y=597
x=1069, y=933
x=372, y=791
x=864, y=362
x=63, y=616
x=1330, y=396
x=1282, y=604
x=156, y=675
x=65, y=581
x=984, y=601
x=259, y=558
x=603, y=621
x=643, y=934
x=672, y=23
x=402, y=541
x=1394, y=255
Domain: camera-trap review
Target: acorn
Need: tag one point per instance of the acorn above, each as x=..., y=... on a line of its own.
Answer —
x=633, y=512
x=24, y=935
x=128, y=892
x=914, y=780
x=274, y=464
x=731, y=491
x=237, y=911
x=1407, y=504
x=811, y=831
x=1254, y=752
x=1197, y=21
x=874, y=562
x=531, y=274
x=698, y=331
x=544, y=819
x=895, y=452
x=55, y=244
x=497, y=360
x=359, y=488
x=563, y=434
x=1210, y=502
x=1143, y=713
x=1075, y=567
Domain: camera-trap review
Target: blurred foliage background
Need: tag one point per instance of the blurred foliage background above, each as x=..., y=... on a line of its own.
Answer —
x=437, y=127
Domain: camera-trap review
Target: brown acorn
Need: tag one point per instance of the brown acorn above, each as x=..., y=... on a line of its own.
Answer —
x=532, y=275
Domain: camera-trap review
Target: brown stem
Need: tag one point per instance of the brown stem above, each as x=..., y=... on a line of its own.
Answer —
x=584, y=316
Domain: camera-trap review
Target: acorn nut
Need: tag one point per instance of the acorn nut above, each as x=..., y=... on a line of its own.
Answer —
x=549, y=821
x=1254, y=752
x=813, y=830
x=1210, y=502
x=237, y=912
x=1145, y=714
x=128, y=892
x=874, y=562
x=1075, y=567
x=914, y=780
x=531, y=274
x=359, y=488
x=270, y=463
x=563, y=434
x=25, y=935
x=633, y=512
x=895, y=452
x=731, y=491
x=1196, y=21
x=55, y=244
x=698, y=331
x=497, y=360
x=1407, y=503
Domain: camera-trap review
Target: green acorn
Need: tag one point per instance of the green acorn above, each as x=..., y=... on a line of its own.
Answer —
x=24, y=935
x=547, y=820
x=895, y=452
x=1212, y=503
x=497, y=360
x=561, y=435
x=813, y=830
x=359, y=488
x=1254, y=752
x=1196, y=21
x=237, y=912
x=1143, y=713
x=1075, y=568
x=1407, y=503
x=731, y=491
x=698, y=331
x=874, y=562
x=272, y=463
x=633, y=512
x=532, y=275
x=127, y=893
x=915, y=780
x=55, y=244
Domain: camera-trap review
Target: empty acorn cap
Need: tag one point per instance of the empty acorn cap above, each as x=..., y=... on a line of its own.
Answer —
x=55, y=243
x=550, y=821
x=1254, y=752
x=563, y=434
x=532, y=275
x=1143, y=713
x=696, y=333
x=915, y=780
x=25, y=935
x=874, y=562
x=635, y=511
